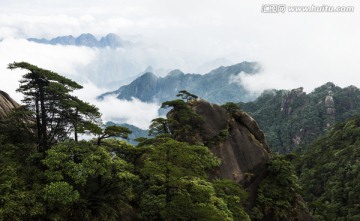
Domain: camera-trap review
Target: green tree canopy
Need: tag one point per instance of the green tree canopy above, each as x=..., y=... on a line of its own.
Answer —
x=57, y=113
x=95, y=183
x=174, y=185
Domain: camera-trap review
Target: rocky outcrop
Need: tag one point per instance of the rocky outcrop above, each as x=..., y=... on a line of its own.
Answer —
x=6, y=104
x=235, y=139
x=330, y=110
x=289, y=98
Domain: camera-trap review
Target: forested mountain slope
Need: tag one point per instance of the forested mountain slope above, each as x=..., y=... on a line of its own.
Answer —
x=293, y=118
x=330, y=173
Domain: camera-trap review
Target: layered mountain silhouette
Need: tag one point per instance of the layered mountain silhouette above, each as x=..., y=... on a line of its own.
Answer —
x=111, y=40
x=217, y=86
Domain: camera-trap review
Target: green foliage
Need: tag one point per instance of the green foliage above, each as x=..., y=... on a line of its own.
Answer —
x=97, y=182
x=278, y=195
x=234, y=196
x=60, y=193
x=174, y=182
x=56, y=112
x=114, y=131
x=183, y=121
x=18, y=126
x=20, y=192
x=159, y=126
x=231, y=107
x=186, y=95
x=329, y=171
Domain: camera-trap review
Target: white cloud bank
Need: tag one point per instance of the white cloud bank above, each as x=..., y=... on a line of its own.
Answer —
x=132, y=112
x=64, y=60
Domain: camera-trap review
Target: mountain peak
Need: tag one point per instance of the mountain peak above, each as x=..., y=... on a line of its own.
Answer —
x=175, y=73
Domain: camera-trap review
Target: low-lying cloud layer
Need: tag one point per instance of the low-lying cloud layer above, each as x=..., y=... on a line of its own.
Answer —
x=132, y=112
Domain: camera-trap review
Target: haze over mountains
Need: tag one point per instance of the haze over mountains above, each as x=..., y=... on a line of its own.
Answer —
x=111, y=60
x=218, y=86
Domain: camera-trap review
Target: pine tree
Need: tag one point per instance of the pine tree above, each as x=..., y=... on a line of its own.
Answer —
x=57, y=113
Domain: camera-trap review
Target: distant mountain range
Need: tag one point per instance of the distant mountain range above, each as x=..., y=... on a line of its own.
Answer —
x=217, y=86
x=111, y=40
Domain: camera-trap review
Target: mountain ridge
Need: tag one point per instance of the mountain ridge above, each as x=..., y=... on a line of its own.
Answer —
x=215, y=86
x=88, y=40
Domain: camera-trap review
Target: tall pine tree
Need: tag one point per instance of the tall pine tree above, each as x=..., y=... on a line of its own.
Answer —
x=57, y=112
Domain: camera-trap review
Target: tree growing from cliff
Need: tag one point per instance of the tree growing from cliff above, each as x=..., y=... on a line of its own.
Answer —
x=159, y=126
x=231, y=107
x=183, y=94
x=57, y=113
x=183, y=121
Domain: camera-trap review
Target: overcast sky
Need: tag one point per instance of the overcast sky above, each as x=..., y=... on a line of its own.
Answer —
x=295, y=49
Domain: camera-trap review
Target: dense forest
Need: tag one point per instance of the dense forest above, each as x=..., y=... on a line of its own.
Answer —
x=48, y=173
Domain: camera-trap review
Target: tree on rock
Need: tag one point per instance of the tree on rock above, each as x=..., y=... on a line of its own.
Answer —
x=159, y=126
x=186, y=95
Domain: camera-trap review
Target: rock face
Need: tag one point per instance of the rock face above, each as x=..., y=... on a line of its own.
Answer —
x=235, y=139
x=288, y=99
x=6, y=104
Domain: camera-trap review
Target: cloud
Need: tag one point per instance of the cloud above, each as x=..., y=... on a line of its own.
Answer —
x=64, y=60
x=132, y=112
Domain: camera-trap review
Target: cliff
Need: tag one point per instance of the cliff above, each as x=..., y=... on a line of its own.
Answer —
x=235, y=139
x=6, y=104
